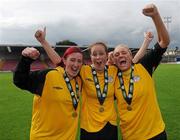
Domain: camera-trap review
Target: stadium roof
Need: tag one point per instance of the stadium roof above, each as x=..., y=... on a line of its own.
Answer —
x=28, y=45
x=84, y=47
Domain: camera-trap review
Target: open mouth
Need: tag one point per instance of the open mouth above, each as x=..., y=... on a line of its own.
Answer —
x=99, y=65
x=122, y=62
x=74, y=70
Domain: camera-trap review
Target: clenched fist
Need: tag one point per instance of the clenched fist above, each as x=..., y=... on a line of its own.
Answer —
x=31, y=53
x=150, y=10
x=148, y=35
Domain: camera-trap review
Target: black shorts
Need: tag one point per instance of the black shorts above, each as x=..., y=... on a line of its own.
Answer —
x=109, y=132
x=161, y=136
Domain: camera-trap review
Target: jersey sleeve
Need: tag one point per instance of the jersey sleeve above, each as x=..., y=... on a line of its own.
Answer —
x=32, y=81
x=152, y=59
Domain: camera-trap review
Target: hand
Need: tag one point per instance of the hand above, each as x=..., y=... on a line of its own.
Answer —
x=148, y=35
x=40, y=35
x=110, y=55
x=110, y=60
x=31, y=53
x=150, y=10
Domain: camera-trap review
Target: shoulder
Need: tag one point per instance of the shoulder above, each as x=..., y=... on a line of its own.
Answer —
x=112, y=67
x=54, y=71
x=85, y=68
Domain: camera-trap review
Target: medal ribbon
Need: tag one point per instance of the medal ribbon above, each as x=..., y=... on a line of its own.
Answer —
x=101, y=96
x=74, y=95
x=128, y=98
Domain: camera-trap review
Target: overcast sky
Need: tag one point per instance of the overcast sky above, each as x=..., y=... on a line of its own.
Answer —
x=84, y=22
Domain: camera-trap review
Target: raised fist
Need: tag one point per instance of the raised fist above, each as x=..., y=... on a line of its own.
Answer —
x=148, y=35
x=40, y=35
x=31, y=53
x=150, y=10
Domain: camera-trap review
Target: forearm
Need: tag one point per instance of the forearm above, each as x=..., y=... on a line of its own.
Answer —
x=52, y=54
x=21, y=73
x=32, y=81
x=141, y=52
x=163, y=36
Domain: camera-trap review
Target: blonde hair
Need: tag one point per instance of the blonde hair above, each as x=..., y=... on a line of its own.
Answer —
x=123, y=46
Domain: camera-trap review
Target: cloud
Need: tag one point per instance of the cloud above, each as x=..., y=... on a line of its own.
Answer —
x=84, y=22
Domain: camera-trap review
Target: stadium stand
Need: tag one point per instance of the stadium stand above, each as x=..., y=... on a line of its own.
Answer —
x=10, y=55
x=1, y=64
x=38, y=65
x=49, y=63
x=9, y=65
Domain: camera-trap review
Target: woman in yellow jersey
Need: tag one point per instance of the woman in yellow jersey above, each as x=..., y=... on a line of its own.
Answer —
x=140, y=116
x=98, y=118
x=56, y=95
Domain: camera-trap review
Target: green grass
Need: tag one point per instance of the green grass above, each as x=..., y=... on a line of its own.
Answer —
x=15, y=110
x=167, y=78
x=16, y=106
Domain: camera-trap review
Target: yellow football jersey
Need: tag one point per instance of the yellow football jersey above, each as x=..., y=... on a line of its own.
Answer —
x=92, y=119
x=144, y=120
x=53, y=112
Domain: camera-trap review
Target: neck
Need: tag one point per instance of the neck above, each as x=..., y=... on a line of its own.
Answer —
x=98, y=71
x=127, y=72
x=69, y=76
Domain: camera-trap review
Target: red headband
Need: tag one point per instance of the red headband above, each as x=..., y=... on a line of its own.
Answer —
x=71, y=50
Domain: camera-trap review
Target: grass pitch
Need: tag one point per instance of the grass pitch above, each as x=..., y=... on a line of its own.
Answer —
x=16, y=105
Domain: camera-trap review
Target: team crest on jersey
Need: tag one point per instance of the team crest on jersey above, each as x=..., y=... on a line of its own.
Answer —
x=136, y=78
x=110, y=79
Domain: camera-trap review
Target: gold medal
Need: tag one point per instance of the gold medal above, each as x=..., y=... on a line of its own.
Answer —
x=101, y=109
x=129, y=108
x=74, y=114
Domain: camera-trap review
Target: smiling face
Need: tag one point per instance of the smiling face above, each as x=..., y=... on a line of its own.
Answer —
x=122, y=57
x=73, y=63
x=98, y=56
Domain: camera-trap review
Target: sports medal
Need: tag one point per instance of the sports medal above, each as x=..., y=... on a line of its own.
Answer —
x=74, y=114
x=127, y=98
x=74, y=95
x=129, y=108
x=101, y=109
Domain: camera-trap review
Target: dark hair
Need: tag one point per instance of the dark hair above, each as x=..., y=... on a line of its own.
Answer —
x=98, y=43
